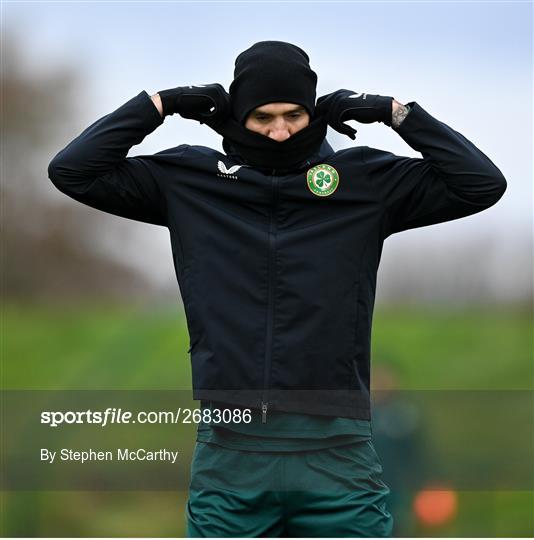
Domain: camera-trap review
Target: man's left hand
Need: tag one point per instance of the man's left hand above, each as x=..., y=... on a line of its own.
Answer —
x=343, y=105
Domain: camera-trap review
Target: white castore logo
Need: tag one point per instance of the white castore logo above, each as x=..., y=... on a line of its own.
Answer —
x=227, y=173
x=359, y=95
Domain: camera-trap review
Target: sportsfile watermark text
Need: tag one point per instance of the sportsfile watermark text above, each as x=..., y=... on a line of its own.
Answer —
x=113, y=415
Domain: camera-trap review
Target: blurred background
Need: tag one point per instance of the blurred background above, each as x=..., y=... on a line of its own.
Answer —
x=90, y=300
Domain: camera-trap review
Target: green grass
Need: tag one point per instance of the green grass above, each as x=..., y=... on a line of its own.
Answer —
x=478, y=349
x=94, y=348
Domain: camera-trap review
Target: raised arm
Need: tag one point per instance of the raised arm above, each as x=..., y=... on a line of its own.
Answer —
x=94, y=170
x=454, y=178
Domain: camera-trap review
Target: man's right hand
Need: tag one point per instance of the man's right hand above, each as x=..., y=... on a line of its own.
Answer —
x=201, y=103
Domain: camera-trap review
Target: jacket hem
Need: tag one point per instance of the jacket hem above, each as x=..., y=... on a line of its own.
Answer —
x=350, y=404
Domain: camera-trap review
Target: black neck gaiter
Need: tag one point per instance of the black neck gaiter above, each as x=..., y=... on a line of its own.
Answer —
x=260, y=151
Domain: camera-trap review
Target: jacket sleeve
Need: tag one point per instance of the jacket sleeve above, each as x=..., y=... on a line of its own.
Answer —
x=454, y=178
x=94, y=170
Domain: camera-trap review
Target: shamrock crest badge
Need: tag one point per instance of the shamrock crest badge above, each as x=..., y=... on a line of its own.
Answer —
x=322, y=180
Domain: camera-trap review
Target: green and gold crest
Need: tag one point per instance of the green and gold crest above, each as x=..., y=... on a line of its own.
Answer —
x=322, y=180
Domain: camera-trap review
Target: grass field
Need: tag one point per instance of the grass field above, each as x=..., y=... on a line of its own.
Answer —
x=113, y=347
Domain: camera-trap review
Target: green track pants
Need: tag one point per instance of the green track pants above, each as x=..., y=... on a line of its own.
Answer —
x=336, y=492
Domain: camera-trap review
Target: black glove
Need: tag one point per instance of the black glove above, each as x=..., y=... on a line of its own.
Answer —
x=343, y=105
x=203, y=102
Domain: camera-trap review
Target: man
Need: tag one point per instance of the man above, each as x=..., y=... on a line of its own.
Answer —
x=276, y=245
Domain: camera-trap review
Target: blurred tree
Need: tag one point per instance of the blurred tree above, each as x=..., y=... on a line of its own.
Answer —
x=48, y=246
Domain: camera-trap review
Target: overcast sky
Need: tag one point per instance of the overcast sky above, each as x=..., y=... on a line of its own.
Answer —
x=469, y=64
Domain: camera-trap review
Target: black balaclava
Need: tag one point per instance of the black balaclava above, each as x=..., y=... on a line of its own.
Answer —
x=268, y=72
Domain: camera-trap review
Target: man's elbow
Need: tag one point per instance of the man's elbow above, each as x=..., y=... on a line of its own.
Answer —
x=499, y=186
x=54, y=172
x=60, y=175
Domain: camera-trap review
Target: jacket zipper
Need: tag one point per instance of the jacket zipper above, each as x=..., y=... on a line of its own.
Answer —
x=270, y=299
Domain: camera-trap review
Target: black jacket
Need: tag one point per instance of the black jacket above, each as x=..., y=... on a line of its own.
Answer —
x=278, y=283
